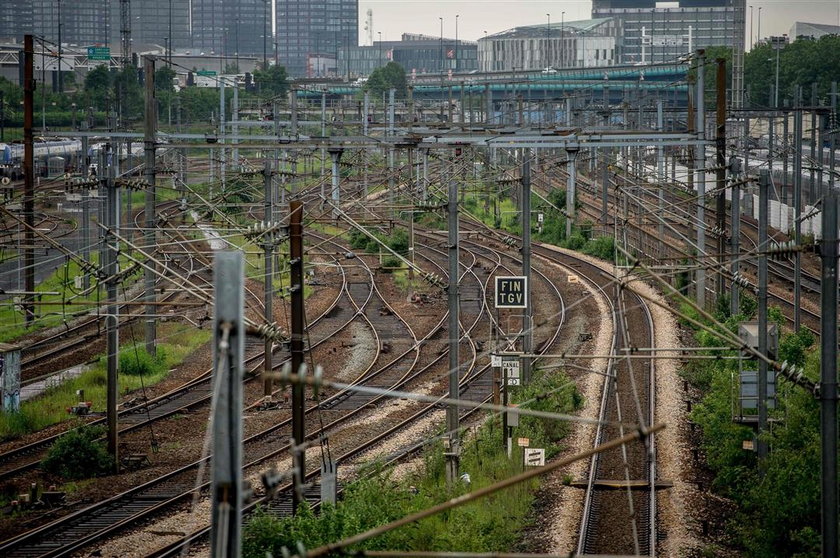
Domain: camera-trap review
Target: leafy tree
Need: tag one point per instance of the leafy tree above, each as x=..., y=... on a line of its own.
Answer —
x=128, y=92
x=801, y=63
x=273, y=80
x=384, y=78
x=163, y=79
x=98, y=87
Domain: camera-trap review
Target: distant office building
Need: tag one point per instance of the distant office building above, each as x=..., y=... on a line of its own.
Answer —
x=82, y=22
x=803, y=30
x=419, y=54
x=664, y=31
x=231, y=27
x=16, y=20
x=571, y=44
x=310, y=34
x=151, y=21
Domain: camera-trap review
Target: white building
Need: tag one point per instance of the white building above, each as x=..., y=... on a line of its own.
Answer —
x=802, y=29
x=573, y=44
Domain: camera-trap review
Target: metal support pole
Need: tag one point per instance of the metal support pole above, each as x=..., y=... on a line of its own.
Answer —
x=268, y=213
x=735, y=240
x=527, y=318
x=797, y=211
x=832, y=156
x=571, y=154
x=294, y=110
x=425, y=190
x=700, y=157
x=28, y=205
x=366, y=114
x=392, y=185
x=828, y=375
x=660, y=174
x=234, y=127
x=488, y=99
x=297, y=343
x=323, y=134
x=335, y=155
x=453, y=450
x=813, y=190
x=605, y=184
x=763, y=218
x=720, y=163
x=112, y=205
x=784, y=192
x=86, y=234
x=222, y=154
x=228, y=351
x=150, y=175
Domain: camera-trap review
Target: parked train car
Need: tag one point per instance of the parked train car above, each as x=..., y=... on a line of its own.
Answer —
x=52, y=157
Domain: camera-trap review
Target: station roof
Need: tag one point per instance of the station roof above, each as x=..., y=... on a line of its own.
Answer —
x=539, y=31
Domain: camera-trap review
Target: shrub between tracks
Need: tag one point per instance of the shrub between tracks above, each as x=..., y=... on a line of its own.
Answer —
x=79, y=454
x=491, y=524
x=777, y=500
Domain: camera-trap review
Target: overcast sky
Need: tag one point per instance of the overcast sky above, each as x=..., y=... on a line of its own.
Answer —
x=394, y=17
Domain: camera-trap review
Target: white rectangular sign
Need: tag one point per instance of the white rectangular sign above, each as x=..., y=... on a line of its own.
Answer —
x=534, y=457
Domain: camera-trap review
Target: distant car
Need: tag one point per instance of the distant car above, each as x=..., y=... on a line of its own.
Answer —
x=549, y=70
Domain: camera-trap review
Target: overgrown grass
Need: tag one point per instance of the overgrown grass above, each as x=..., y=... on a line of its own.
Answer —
x=777, y=500
x=51, y=407
x=491, y=524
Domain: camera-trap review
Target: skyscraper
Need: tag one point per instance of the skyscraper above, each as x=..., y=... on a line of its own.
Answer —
x=82, y=22
x=310, y=33
x=231, y=27
x=150, y=22
x=15, y=20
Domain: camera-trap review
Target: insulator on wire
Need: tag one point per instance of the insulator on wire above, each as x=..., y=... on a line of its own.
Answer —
x=779, y=250
x=743, y=282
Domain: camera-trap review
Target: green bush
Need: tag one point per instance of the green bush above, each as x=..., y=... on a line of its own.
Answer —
x=602, y=247
x=391, y=263
x=79, y=454
x=398, y=241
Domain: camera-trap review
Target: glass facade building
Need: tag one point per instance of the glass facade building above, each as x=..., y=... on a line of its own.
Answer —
x=310, y=34
x=655, y=31
x=150, y=22
x=16, y=20
x=231, y=27
x=83, y=22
